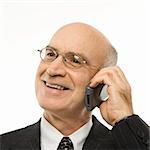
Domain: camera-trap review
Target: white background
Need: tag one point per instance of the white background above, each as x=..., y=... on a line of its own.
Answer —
x=28, y=25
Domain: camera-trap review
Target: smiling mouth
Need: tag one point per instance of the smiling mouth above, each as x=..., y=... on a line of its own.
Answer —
x=55, y=86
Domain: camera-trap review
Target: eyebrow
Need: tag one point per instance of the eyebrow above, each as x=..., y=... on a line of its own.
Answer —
x=52, y=48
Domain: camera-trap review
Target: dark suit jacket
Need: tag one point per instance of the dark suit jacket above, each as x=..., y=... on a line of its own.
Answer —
x=129, y=134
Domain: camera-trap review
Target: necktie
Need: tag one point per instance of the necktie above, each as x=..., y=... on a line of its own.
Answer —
x=65, y=144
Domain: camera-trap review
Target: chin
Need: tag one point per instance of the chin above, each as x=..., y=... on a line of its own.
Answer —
x=54, y=104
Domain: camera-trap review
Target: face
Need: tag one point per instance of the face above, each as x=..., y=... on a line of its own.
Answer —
x=60, y=88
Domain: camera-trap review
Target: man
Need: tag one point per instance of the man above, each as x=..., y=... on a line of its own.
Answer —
x=78, y=56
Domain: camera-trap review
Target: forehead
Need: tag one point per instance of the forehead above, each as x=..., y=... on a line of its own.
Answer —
x=82, y=40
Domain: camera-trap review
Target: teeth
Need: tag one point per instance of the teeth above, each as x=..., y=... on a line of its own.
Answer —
x=55, y=86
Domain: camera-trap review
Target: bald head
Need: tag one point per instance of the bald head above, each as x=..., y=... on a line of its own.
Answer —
x=85, y=38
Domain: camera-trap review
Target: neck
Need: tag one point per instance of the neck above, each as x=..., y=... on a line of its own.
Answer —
x=67, y=124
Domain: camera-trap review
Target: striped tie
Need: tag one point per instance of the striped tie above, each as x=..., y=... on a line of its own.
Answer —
x=65, y=144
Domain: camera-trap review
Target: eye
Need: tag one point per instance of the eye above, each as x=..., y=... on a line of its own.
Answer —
x=50, y=54
x=76, y=59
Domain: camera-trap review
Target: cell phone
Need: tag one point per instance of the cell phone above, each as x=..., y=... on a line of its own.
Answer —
x=94, y=96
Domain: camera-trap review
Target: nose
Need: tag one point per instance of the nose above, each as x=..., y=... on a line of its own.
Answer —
x=56, y=67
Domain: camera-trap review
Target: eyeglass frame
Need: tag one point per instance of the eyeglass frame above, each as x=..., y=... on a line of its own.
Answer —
x=84, y=63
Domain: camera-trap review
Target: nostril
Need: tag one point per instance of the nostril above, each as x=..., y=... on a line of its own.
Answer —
x=56, y=70
x=44, y=82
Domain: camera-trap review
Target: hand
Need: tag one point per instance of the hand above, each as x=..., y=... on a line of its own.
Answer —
x=119, y=104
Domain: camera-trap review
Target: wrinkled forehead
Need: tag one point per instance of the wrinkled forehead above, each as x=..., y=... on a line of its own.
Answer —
x=82, y=39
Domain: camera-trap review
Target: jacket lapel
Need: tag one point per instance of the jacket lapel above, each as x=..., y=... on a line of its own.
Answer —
x=99, y=137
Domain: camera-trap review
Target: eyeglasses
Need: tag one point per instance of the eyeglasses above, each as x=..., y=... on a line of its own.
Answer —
x=70, y=59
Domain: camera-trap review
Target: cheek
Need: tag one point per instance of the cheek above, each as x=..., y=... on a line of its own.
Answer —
x=41, y=69
x=39, y=72
x=80, y=83
x=82, y=80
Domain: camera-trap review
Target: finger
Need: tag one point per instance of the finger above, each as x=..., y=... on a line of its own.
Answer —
x=109, y=75
x=101, y=79
x=122, y=75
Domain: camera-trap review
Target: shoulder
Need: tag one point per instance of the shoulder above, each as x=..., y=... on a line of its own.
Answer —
x=20, y=136
x=130, y=133
x=22, y=131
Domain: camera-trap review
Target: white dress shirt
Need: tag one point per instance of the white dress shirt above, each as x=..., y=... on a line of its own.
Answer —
x=51, y=137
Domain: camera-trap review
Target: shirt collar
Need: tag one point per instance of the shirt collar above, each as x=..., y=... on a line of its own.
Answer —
x=51, y=137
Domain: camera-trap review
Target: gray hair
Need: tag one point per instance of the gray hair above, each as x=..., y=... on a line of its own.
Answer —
x=111, y=57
